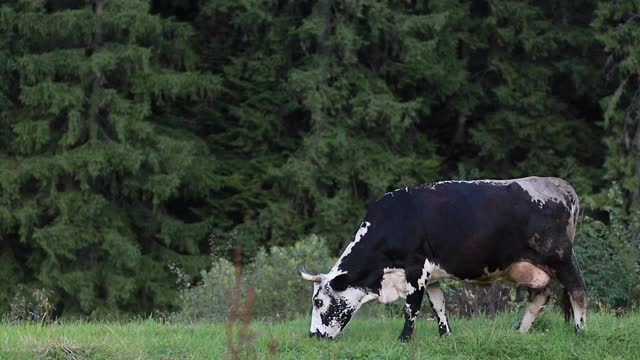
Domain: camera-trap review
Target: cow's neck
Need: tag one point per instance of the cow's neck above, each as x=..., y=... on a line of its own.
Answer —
x=358, y=265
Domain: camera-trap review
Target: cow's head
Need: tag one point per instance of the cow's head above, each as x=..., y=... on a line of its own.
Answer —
x=334, y=302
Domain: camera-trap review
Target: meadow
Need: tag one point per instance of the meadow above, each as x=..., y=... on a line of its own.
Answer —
x=607, y=337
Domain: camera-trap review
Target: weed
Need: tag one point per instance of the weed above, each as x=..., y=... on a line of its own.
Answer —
x=240, y=337
x=31, y=305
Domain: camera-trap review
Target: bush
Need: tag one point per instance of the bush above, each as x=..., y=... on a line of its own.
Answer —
x=31, y=304
x=606, y=258
x=208, y=300
x=279, y=291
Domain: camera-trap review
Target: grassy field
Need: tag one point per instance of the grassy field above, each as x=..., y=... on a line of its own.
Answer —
x=607, y=337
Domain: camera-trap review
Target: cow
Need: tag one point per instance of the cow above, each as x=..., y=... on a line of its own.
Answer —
x=481, y=231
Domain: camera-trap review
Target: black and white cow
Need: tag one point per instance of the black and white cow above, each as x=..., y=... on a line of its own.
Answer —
x=518, y=230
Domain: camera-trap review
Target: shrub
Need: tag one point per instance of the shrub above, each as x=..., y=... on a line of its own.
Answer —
x=606, y=258
x=31, y=304
x=209, y=299
x=279, y=291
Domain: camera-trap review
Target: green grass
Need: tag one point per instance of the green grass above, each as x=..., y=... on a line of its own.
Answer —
x=607, y=337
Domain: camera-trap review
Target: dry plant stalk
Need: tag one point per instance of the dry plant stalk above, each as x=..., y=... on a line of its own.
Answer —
x=239, y=334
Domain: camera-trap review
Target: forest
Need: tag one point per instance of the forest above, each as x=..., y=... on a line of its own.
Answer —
x=138, y=136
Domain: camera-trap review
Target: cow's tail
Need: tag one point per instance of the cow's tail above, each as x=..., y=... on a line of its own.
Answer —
x=574, y=217
x=574, y=214
x=566, y=305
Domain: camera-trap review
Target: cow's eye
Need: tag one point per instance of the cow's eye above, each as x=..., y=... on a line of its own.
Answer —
x=317, y=303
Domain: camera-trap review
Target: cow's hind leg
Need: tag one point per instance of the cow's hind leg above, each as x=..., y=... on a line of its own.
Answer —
x=525, y=273
x=411, y=311
x=436, y=299
x=535, y=307
x=574, y=285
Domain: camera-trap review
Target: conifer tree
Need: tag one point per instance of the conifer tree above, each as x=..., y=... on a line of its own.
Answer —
x=90, y=174
x=618, y=28
x=378, y=95
x=346, y=86
x=537, y=65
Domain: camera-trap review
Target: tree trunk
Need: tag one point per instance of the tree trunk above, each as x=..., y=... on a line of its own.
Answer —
x=458, y=137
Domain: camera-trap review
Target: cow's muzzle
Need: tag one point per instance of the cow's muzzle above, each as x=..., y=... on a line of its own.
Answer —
x=318, y=334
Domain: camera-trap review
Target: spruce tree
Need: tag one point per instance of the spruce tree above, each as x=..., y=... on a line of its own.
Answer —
x=99, y=193
x=538, y=66
x=325, y=101
x=329, y=104
x=618, y=28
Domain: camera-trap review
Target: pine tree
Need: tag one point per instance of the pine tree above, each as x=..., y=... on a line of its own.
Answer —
x=346, y=87
x=98, y=191
x=537, y=64
x=376, y=95
x=618, y=28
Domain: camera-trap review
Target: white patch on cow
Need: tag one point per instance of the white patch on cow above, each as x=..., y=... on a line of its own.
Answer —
x=407, y=310
x=437, y=302
x=579, y=313
x=410, y=289
x=316, y=322
x=392, y=193
x=571, y=231
x=541, y=189
x=352, y=297
x=573, y=216
x=362, y=231
x=430, y=272
x=533, y=310
x=368, y=297
x=427, y=270
x=394, y=283
x=393, y=286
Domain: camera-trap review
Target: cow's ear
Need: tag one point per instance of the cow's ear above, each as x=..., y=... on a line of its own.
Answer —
x=340, y=282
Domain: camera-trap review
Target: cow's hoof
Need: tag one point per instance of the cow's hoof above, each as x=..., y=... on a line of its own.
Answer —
x=404, y=338
x=580, y=329
x=445, y=334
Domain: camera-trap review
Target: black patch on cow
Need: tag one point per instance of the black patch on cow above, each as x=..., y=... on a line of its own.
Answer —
x=338, y=312
x=340, y=282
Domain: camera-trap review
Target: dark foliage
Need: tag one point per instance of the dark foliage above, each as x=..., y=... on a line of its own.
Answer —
x=130, y=131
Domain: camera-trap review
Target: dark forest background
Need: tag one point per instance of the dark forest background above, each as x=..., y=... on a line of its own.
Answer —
x=138, y=134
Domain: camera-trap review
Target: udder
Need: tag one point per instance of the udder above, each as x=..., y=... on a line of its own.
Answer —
x=525, y=273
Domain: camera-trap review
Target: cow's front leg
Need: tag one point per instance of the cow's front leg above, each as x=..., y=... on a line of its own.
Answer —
x=436, y=299
x=411, y=311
